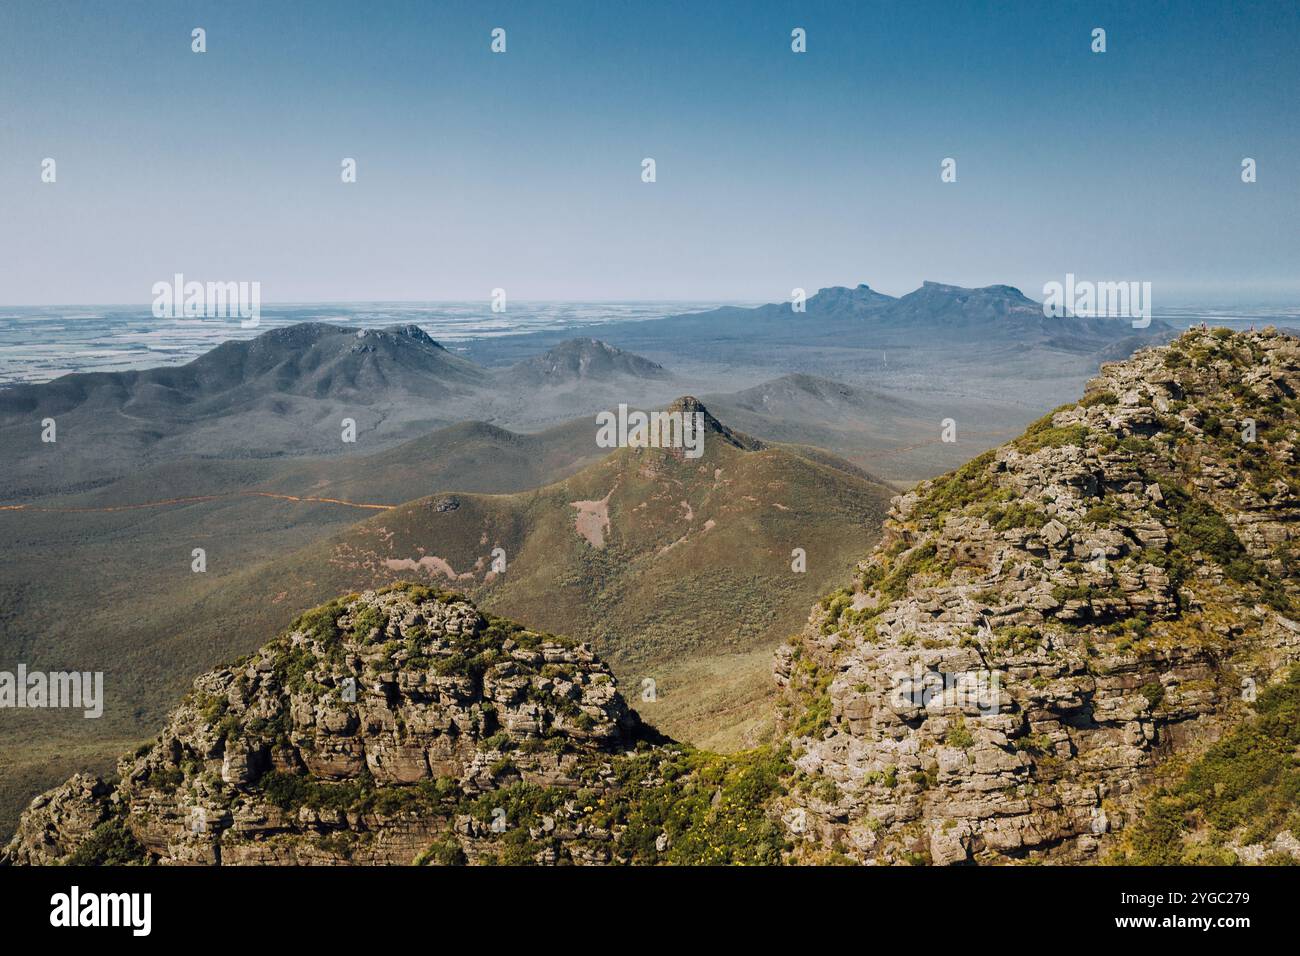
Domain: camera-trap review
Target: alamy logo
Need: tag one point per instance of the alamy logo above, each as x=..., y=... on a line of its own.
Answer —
x=76, y=690
x=179, y=299
x=638, y=429
x=1115, y=300
x=979, y=689
x=74, y=909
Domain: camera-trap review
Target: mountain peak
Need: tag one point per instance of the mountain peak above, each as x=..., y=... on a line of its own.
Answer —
x=689, y=405
x=582, y=359
x=856, y=301
x=326, y=362
x=1008, y=291
x=410, y=331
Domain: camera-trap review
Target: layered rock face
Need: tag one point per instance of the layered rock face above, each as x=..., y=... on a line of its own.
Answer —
x=1040, y=630
x=382, y=727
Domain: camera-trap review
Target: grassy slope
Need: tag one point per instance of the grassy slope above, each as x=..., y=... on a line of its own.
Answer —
x=696, y=609
x=698, y=619
x=114, y=591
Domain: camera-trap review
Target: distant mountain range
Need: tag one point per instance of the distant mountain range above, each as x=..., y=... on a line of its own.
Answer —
x=996, y=313
x=987, y=357
x=288, y=392
x=836, y=302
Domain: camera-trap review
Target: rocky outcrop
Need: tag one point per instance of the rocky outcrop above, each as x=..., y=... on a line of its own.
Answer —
x=379, y=728
x=1039, y=631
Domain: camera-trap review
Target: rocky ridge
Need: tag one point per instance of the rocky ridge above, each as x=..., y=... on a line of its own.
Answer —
x=1039, y=631
x=380, y=727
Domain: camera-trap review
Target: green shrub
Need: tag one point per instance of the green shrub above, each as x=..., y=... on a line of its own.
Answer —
x=952, y=492
x=959, y=735
x=1043, y=434
x=1099, y=398
x=1101, y=515
x=1199, y=528
x=1154, y=692
x=109, y=844
x=444, y=853
x=1246, y=787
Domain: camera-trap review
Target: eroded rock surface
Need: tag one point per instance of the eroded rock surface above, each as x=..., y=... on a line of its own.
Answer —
x=379, y=726
x=1038, y=631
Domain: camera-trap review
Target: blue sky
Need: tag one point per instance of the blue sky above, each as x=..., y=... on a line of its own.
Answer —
x=522, y=170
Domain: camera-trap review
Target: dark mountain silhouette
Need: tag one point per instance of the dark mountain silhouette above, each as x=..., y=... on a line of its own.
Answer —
x=835, y=303
x=996, y=320
x=1002, y=314
x=990, y=315
x=840, y=301
x=937, y=303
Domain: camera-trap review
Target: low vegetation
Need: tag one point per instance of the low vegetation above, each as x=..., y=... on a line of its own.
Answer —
x=1243, y=791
